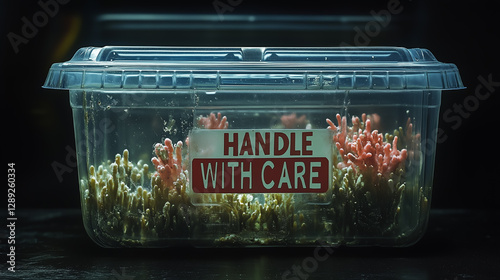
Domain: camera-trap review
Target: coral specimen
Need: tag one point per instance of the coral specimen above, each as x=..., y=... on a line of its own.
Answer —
x=213, y=122
x=407, y=139
x=365, y=149
x=131, y=206
x=129, y=213
x=292, y=121
x=270, y=219
x=168, y=163
x=369, y=180
x=127, y=204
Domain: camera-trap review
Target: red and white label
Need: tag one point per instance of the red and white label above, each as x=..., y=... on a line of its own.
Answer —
x=260, y=161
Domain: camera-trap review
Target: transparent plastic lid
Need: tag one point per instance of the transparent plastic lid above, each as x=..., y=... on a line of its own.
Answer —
x=157, y=68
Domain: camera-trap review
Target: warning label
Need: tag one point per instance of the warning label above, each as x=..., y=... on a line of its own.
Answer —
x=260, y=161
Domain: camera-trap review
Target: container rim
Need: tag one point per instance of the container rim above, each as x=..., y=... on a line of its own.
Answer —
x=216, y=68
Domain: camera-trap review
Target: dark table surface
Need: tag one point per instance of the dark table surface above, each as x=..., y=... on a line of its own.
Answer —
x=52, y=244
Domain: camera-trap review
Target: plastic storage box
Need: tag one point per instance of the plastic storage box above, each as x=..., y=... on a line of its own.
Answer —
x=254, y=146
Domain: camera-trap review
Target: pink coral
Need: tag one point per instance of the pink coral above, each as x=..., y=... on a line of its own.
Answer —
x=168, y=160
x=365, y=149
x=292, y=121
x=213, y=122
x=168, y=163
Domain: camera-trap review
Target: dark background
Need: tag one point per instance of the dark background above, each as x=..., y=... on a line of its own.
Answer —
x=462, y=238
x=38, y=125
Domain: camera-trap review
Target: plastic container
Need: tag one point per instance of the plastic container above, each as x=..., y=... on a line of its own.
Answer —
x=254, y=146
